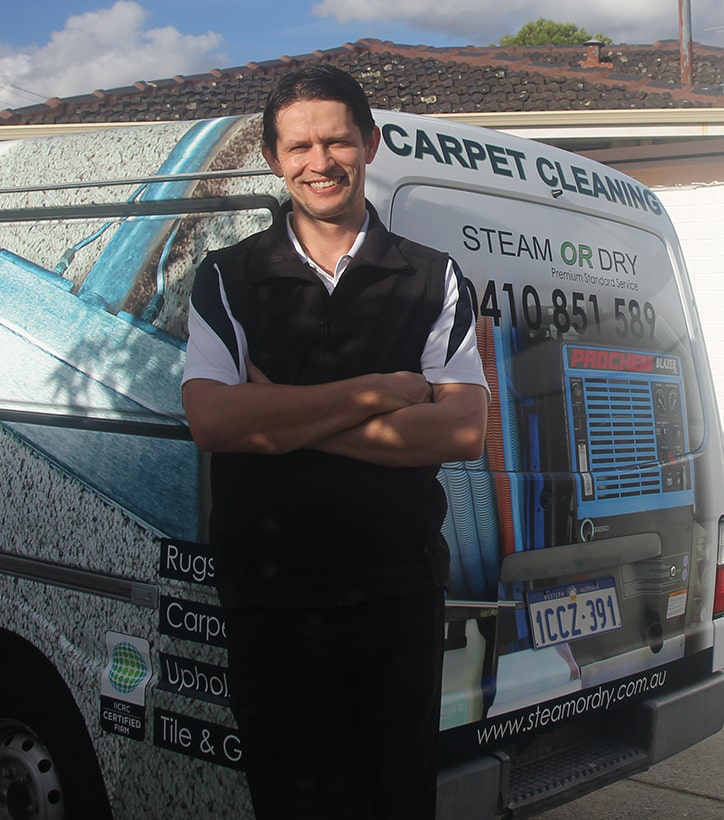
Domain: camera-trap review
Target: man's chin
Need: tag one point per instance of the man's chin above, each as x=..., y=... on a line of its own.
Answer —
x=331, y=212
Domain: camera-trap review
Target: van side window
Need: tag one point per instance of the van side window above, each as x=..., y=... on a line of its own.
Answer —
x=95, y=277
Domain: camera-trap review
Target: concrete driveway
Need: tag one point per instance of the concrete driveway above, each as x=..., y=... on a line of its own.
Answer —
x=690, y=784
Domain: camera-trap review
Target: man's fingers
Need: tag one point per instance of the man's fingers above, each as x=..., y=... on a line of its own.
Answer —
x=254, y=374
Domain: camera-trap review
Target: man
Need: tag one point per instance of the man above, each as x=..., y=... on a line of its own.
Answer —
x=331, y=368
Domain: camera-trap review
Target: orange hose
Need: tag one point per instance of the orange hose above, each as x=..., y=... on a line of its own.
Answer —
x=494, y=435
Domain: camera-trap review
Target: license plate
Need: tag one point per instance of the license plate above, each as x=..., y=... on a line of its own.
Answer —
x=573, y=611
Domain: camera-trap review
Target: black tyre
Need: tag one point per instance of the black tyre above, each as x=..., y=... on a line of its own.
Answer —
x=48, y=769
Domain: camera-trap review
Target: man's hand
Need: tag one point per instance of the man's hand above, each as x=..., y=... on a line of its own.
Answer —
x=253, y=374
x=405, y=388
x=450, y=428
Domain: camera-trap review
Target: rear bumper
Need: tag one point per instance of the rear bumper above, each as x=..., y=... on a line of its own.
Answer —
x=658, y=727
x=684, y=717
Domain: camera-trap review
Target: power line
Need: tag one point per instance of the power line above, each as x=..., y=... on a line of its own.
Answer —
x=19, y=92
x=23, y=90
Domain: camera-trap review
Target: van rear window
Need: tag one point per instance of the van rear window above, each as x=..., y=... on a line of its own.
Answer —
x=595, y=407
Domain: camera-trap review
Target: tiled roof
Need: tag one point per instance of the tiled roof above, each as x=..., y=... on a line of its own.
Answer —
x=422, y=79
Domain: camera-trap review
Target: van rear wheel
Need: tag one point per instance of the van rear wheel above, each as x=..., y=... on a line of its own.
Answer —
x=48, y=769
x=30, y=787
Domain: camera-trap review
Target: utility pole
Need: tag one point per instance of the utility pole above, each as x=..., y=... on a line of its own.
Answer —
x=685, y=47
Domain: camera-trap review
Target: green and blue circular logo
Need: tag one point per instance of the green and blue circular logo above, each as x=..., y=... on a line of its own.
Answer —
x=128, y=668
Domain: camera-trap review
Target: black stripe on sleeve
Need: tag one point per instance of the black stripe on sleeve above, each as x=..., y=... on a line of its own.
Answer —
x=463, y=314
x=206, y=297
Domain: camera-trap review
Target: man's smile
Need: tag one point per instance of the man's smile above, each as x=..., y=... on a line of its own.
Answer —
x=322, y=184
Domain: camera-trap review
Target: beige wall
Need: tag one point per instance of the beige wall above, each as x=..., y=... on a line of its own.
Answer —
x=697, y=212
x=674, y=163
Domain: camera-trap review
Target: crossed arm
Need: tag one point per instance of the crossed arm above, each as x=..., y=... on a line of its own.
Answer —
x=393, y=419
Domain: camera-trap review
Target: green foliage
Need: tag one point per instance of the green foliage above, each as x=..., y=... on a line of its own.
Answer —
x=544, y=32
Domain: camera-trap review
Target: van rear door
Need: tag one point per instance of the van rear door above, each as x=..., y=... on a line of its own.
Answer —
x=577, y=528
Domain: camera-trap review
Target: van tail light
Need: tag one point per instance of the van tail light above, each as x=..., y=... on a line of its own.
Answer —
x=719, y=585
x=719, y=591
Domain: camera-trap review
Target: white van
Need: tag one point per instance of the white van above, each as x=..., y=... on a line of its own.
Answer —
x=585, y=610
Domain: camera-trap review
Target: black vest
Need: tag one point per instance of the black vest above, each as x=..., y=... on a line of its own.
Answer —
x=307, y=527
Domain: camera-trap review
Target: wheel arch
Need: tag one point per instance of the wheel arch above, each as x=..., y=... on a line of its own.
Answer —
x=22, y=658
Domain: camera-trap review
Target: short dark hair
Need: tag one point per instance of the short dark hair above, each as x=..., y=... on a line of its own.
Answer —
x=315, y=82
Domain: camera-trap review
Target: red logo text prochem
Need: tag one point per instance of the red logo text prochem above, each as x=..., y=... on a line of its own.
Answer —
x=587, y=358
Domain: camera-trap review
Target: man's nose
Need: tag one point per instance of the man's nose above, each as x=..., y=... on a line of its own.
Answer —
x=321, y=158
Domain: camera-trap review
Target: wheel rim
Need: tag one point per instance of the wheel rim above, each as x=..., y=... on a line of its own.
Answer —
x=30, y=788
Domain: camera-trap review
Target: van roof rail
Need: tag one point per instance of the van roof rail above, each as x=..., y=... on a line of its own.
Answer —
x=160, y=207
x=149, y=180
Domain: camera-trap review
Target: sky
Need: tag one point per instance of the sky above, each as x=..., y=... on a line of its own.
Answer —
x=51, y=49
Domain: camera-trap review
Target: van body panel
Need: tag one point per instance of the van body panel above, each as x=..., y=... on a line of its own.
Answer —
x=583, y=542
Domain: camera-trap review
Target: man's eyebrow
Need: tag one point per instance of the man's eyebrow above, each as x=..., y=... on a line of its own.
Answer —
x=292, y=142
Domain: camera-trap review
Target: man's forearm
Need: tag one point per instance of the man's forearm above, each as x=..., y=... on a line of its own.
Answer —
x=450, y=429
x=271, y=418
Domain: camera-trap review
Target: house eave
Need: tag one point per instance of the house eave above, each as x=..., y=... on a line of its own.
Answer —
x=654, y=123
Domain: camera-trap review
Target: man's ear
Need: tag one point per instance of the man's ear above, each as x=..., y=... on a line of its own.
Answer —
x=271, y=160
x=372, y=144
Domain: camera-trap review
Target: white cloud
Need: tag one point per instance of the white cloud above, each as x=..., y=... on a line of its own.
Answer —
x=482, y=22
x=102, y=49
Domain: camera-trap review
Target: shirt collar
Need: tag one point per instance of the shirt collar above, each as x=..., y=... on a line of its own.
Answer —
x=329, y=280
x=273, y=254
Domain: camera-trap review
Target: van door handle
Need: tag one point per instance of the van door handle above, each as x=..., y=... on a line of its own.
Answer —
x=571, y=559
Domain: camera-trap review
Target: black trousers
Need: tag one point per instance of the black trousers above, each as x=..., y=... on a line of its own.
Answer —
x=338, y=707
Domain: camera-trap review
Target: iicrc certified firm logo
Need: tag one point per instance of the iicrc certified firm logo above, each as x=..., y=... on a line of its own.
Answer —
x=123, y=685
x=128, y=669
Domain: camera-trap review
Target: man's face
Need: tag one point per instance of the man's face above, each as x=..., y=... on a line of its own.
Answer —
x=322, y=156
